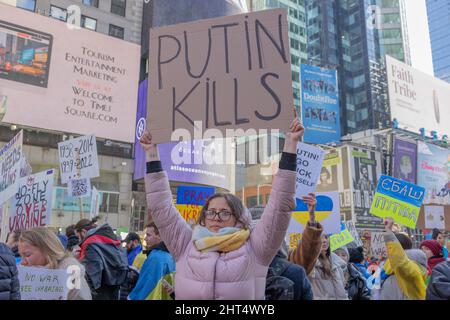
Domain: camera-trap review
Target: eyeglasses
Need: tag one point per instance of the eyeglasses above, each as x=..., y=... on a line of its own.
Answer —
x=223, y=215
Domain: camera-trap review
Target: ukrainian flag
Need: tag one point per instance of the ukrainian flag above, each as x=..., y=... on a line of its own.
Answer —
x=324, y=209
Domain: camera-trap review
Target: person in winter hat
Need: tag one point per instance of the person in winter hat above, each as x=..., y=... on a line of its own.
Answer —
x=356, y=256
x=439, y=236
x=223, y=257
x=433, y=251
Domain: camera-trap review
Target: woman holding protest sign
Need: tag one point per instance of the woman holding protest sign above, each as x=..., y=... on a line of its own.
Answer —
x=223, y=257
x=324, y=268
x=40, y=247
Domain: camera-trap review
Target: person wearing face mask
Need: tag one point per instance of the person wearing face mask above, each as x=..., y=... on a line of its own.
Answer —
x=157, y=270
x=40, y=247
x=105, y=261
x=223, y=257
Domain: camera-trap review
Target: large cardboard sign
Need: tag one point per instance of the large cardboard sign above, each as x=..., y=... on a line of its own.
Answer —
x=32, y=203
x=78, y=158
x=399, y=200
x=229, y=72
x=10, y=166
x=309, y=165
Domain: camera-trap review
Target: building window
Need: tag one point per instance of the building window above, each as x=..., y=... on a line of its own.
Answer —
x=115, y=31
x=91, y=3
x=88, y=23
x=26, y=4
x=118, y=7
x=58, y=13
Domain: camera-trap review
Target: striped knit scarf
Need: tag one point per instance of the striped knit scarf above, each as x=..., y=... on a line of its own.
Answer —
x=226, y=240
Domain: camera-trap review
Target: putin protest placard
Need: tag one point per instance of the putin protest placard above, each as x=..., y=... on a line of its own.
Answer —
x=32, y=203
x=231, y=72
x=309, y=165
x=78, y=158
x=327, y=213
x=398, y=199
x=10, y=161
x=43, y=284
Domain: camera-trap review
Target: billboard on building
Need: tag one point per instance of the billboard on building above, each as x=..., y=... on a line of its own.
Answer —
x=365, y=168
x=320, y=104
x=334, y=176
x=405, y=160
x=433, y=172
x=416, y=95
x=68, y=80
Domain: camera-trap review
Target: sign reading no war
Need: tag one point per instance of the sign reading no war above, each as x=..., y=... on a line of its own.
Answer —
x=398, y=199
x=230, y=72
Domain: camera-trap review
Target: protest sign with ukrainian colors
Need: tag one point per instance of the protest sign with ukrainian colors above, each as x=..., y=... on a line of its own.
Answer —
x=398, y=199
x=194, y=195
x=327, y=213
x=341, y=239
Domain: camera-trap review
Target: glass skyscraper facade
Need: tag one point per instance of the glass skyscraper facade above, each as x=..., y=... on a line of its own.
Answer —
x=439, y=24
x=297, y=36
x=353, y=36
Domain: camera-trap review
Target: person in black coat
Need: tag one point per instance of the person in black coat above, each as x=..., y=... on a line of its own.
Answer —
x=9, y=278
x=439, y=285
x=356, y=285
x=105, y=261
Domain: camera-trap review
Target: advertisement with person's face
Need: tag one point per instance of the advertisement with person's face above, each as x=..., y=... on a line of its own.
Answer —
x=365, y=169
x=52, y=75
x=405, y=160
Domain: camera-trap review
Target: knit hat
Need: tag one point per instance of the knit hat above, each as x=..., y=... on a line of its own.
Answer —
x=433, y=245
x=356, y=255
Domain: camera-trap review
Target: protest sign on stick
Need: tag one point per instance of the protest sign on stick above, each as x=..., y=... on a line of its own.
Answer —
x=78, y=158
x=341, y=239
x=79, y=188
x=32, y=203
x=10, y=165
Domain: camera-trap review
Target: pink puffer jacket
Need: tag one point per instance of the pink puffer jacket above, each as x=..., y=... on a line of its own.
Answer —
x=240, y=274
